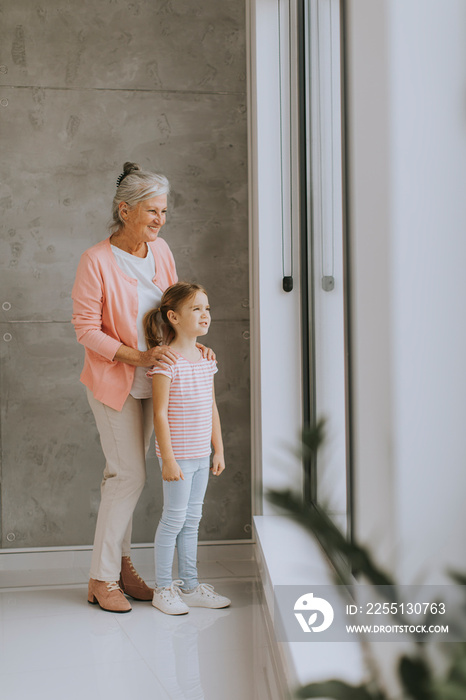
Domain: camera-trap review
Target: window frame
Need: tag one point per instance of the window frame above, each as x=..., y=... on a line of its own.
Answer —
x=310, y=416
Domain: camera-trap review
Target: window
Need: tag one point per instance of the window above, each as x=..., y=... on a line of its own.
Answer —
x=324, y=278
x=296, y=224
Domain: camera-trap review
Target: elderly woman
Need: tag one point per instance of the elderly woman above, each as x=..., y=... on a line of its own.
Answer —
x=117, y=282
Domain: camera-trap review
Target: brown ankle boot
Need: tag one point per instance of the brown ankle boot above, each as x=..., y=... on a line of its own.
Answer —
x=108, y=595
x=131, y=583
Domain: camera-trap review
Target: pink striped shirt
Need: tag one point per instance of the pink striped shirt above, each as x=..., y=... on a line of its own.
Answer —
x=189, y=406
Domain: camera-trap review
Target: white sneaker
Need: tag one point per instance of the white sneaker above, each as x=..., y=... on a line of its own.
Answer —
x=168, y=600
x=204, y=596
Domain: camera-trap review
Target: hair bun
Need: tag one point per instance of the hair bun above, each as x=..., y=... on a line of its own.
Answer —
x=130, y=168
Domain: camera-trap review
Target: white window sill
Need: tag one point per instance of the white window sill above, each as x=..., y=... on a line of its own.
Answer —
x=288, y=555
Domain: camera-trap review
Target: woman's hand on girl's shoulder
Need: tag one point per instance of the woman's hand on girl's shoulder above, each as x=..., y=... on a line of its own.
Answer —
x=207, y=353
x=171, y=470
x=159, y=356
x=218, y=464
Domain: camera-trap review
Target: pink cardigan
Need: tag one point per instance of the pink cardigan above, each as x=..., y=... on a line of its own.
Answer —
x=105, y=308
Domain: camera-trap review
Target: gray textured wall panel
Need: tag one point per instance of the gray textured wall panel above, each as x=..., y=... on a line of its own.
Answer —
x=144, y=44
x=52, y=461
x=227, y=514
x=58, y=183
x=84, y=87
x=48, y=438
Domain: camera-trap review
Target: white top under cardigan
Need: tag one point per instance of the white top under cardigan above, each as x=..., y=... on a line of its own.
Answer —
x=149, y=297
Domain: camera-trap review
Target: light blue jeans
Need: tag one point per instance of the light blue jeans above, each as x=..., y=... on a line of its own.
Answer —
x=179, y=524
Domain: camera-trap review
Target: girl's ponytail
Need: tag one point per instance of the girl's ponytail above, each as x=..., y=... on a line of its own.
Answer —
x=152, y=329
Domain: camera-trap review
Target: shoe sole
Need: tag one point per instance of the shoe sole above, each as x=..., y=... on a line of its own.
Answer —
x=202, y=605
x=96, y=602
x=169, y=613
x=210, y=607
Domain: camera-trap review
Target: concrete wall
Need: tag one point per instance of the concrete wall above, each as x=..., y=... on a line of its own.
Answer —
x=84, y=87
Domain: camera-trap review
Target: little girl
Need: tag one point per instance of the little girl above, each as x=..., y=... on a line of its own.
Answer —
x=186, y=423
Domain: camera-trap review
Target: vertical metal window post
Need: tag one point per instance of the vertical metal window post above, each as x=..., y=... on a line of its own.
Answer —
x=324, y=251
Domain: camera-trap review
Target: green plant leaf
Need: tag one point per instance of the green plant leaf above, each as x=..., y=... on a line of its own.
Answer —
x=313, y=438
x=416, y=678
x=457, y=672
x=336, y=690
x=415, y=675
x=458, y=577
x=451, y=691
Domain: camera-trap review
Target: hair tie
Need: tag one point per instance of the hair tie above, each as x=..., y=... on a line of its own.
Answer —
x=120, y=178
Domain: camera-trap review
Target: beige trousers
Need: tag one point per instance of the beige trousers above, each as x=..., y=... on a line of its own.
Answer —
x=125, y=437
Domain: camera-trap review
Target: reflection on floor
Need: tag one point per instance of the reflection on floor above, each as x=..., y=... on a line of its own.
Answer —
x=53, y=645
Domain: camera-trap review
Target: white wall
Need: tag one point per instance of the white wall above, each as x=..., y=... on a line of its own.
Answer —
x=407, y=86
x=428, y=281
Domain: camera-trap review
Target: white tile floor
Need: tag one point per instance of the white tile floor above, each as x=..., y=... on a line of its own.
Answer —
x=54, y=646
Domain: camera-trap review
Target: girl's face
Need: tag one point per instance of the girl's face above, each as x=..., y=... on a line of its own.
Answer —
x=193, y=317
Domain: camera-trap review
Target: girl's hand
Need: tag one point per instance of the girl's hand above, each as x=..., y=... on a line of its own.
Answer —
x=160, y=356
x=171, y=470
x=207, y=353
x=218, y=464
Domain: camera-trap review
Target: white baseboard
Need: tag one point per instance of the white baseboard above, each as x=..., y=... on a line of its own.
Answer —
x=79, y=557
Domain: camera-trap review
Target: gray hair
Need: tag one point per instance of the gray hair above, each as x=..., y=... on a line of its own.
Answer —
x=133, y=186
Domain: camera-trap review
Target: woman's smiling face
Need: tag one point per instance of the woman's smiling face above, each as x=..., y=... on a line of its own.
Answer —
x=144, y=221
